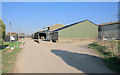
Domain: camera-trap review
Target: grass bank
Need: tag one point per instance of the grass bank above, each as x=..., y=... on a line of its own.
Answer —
x=109, y=58
x=9, y=57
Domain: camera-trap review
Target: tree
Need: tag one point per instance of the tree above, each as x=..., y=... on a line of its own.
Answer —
x=3, y=29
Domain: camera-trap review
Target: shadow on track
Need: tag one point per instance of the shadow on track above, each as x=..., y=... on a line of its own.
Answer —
x=83, y=62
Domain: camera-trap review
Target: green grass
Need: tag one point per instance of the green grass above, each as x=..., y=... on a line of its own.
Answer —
x=9, y=57
x=109, y=58
x=7, y=43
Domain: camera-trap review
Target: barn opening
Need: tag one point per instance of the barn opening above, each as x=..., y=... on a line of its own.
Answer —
x=42, y=36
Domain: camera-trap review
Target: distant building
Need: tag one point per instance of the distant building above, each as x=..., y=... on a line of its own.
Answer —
x=54, y=27
x=14, y=37
x=46, y=32
x=21, y=35
x=109, y=30
x=34, y=35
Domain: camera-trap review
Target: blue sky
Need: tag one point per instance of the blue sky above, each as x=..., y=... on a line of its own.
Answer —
x=29, y=17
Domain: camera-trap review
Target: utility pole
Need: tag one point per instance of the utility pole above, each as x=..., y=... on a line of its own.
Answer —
x=10, y=31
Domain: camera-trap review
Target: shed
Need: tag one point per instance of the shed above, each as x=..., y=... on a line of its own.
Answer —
x=34, y=35
x=77, y=31
x=7, y=37
x=47, y=34
x=21, y=35
x=109, y=30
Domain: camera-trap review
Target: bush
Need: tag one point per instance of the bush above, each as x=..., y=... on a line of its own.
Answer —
x=109, y=57
x=97, y=47
x=93, y=45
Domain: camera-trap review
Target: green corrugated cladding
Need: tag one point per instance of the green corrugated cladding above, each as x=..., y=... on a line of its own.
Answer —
x=84, y=29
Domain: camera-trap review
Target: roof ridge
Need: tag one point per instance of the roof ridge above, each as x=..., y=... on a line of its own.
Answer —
x=72, y=25
x=109, y=23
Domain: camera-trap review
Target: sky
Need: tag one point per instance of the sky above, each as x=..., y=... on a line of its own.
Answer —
x=29, y=17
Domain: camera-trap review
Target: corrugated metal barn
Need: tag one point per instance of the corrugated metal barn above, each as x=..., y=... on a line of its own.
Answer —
x=48, y=29
x=46, y=32
x=109, y=30
x=77, y=31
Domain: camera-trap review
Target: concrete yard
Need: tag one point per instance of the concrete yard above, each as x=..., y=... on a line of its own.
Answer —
x=64, y=57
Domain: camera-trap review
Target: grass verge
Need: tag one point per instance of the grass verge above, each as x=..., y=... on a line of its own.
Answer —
x=109, y=58
x=9, y=57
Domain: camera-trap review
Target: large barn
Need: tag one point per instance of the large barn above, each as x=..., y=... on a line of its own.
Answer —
x=76, y=31
x=109, y=30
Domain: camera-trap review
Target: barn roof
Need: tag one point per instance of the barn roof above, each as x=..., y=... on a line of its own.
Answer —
x=109, y=23
x=71, y=25
x=13, y=34
x=54, y=27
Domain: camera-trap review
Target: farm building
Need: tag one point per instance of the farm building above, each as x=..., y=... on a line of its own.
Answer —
x=34, y=35
x=21, y=35
x=14, y=37
x=109, y=30
x=46, y=32
x=76, y=31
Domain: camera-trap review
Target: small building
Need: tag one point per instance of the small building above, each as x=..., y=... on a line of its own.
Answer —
x=34, y=35
x=109, y=30
x=14, y=37
x=76, y=31
x=21, y=35
x=45, y=34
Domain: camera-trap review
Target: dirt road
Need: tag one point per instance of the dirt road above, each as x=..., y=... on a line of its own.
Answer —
x=64, y=57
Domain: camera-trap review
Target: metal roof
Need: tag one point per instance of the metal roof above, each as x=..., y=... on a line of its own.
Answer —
x=54, y=27
x=71, y=25
x=13, y=34
x=109, y=23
